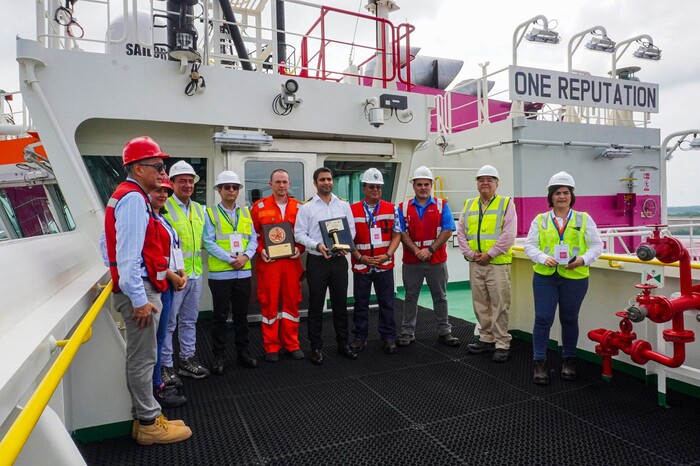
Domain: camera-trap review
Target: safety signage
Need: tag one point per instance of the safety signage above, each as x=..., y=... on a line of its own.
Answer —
x=653, y=275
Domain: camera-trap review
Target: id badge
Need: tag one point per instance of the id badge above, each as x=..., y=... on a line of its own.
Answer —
x=236, y=244
x=561, y=253
x=179, y=260
x=375, y=235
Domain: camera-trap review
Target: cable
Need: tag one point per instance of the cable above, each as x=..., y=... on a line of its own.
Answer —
x=196, y=83
x=64, y=17
x=279, y=107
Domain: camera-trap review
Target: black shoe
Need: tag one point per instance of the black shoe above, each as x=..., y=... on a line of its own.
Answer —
x=405, y=339
x=296, y=354
x=448, y=339
x=168, y=397
x=500, y=355
x=346, y=350
x=481, y=347
x=358, y=345
x=390, y=347
x=568, y=369
x=316, y=357
x=540, y=375
x=218, y=366
x=272, y=357
x=170, y=377
x=191, y=367
x=246, y=360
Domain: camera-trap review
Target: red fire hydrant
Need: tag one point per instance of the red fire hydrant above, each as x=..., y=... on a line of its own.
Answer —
x=659, y=309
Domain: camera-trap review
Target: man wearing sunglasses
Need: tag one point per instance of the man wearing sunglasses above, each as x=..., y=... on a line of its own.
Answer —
x=138, y=269
x=230, y=238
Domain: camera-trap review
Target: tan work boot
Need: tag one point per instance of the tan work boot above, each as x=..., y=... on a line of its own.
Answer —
x=162, y=431
x=135, y=427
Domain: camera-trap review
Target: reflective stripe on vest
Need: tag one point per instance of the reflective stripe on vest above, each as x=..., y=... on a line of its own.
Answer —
x=574, y=237
x=483, y=231
x=363, y=242
x=224, y=230
x=189, y=231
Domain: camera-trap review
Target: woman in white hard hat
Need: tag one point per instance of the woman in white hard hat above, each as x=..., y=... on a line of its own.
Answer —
x=562, y=243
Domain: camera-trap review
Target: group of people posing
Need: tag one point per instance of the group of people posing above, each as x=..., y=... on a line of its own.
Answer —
x=155, y=231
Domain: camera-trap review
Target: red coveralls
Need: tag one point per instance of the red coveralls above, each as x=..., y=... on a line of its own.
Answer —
x=279, y=282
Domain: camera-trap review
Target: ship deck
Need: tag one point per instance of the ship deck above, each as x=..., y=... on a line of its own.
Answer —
x=428, y=404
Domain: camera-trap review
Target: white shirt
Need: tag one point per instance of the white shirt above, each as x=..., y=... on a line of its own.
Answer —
x=307, y=231
x=594, y=245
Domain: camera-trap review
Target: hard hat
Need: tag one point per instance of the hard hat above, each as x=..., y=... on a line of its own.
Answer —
x=372, y=176
x=422, y=172
x=561, y=179
x=141, y=148
x=166, y=183
x=488, y=170
x=227, y=176
x=183, y=168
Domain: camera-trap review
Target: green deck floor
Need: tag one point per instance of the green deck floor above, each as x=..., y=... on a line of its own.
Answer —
x=459, y=299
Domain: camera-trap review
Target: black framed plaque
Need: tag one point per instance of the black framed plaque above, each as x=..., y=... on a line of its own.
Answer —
x=278, y=239
x=336, y=235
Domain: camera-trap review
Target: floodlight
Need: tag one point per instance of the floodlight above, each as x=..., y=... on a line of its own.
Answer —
x=601, y=44
x=615, y=152
x=242, y=139
x=546, y=36
x=648, y=51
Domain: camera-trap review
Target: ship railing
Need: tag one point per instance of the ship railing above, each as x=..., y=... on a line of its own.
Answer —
x=17, y=435
x=614, y=238
x=14, y=115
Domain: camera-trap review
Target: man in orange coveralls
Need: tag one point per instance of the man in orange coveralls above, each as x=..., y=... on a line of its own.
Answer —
x=279, y=280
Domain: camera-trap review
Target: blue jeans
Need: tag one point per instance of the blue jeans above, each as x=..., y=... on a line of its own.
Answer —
x=384, y=289
x=167, y=298
x=549, y=292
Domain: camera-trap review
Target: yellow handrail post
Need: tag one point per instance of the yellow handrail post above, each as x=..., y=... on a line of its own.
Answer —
x=18, y=434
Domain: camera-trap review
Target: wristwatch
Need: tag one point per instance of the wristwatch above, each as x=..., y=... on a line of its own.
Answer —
x=432, y=251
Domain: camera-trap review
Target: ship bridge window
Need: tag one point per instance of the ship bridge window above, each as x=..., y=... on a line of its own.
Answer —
x=347, y=175
x=257, y=179
x=107, y=173
x=35, y=210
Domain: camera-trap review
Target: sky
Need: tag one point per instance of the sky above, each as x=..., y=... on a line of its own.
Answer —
x=476, y=32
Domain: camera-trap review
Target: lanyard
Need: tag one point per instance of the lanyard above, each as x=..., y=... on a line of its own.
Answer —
x=371, y=215
x=561, y=229
x=171, y=230
x=228, y=217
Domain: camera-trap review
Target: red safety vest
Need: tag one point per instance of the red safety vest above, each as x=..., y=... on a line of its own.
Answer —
x=383, y=219
x=423, y=232
x=152, y=255
x=266, y=211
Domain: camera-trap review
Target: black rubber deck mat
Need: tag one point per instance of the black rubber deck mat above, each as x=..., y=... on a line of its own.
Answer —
x=428, y=404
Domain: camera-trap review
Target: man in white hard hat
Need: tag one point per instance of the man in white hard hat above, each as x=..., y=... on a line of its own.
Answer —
x=486, y=232
x=377, y=236
x=325, y=271
x=427, y=224
x=187, y=218
x=231, y=241
x=279, y=280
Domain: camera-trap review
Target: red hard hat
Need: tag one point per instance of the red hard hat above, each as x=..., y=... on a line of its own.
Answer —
x=166, y=183
x=141, y=148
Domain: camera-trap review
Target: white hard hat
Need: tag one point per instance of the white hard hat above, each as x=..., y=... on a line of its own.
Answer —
x=422, y=172
x=372, y=176
x=488, y=170
x=183, y=168
x=561, y=179
x=227, y=176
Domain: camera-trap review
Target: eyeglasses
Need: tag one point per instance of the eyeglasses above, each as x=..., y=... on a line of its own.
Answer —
x=160, y=167
x=227, y=187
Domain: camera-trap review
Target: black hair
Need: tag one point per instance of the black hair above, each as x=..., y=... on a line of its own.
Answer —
x=320, y=170
x=552, y=189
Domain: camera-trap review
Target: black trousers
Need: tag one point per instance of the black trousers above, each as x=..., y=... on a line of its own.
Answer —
x=230, y=295
x=321, y=275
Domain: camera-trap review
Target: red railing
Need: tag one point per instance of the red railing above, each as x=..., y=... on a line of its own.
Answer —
x=314, y=65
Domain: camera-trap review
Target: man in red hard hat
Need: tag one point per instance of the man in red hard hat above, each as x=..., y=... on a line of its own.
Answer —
x=138, y=270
